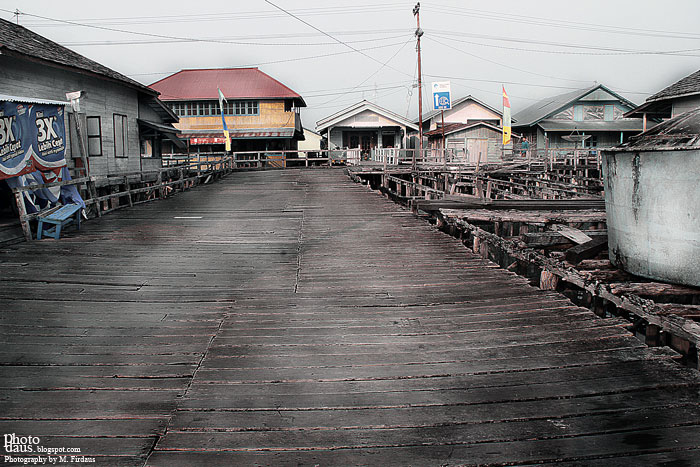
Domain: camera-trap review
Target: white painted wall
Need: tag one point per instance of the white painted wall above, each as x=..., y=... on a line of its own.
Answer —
x=312, y=141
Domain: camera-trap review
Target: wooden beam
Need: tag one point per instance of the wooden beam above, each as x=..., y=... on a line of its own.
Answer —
x=575, y=235
x=586, y=250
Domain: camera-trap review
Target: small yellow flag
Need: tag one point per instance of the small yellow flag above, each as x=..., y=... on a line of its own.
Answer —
x=506, y=118
x=228, y=141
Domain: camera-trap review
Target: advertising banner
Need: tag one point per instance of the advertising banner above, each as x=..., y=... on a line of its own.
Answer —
x=32, y=137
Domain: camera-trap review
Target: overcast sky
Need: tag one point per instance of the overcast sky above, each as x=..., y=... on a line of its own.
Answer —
x=535, y=48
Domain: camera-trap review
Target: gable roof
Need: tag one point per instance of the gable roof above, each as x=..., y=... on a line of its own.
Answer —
x=687, y=86
x=451, y=128
x=235, y=83
x=361, y=107
x=459, y=101
x=18, y=41
x=552, y=105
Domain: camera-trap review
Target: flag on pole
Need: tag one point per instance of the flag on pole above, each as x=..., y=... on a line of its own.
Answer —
x=506, y=118
x=222, y=99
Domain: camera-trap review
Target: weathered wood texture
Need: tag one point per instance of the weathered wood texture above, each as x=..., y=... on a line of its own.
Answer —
x=295, y=318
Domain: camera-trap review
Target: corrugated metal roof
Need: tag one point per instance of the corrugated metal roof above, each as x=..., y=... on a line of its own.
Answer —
x=549, y=106
x=20, y=40
x=545, y=107
x=455, y=127
x=235, y=83
x=30, y=100
x=449, y=128
x=456, y=103
x=592, y=125
x=687, y=86
x=679, y=133
x=361, y=107
x=157, y=126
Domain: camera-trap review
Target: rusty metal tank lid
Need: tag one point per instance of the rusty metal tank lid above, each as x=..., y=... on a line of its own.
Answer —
x=679, y=133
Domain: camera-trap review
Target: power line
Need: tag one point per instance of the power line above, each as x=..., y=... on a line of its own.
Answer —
x=332, y=37
x=226, y=16
x=558, y=23
x=273, y=62
x=518, y=83
x=162, y=36
x=377, y=71
x=351, y=91
x=228, y=41
x=503, y=65
x=612, y=51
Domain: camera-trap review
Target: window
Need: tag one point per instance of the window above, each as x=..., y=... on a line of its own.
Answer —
x=245, y=108
x=211, y=108
x=120, y=136
x=591, y=142
x=94, y=136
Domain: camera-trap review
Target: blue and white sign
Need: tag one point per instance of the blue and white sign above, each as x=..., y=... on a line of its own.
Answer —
x=32, y=137
x=441, y=95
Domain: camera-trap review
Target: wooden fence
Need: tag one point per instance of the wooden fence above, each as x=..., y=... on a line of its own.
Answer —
x=106, y=193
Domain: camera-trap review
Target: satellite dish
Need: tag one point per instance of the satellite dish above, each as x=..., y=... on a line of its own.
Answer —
x=575, y=137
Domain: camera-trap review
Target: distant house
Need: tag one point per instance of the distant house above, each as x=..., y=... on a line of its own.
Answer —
x=471, y=128
x=261, y=113
x=365, y=126
x=678, y=98
x=473, y=142
x=124, y=122
x=465, y=110
x=596, y=112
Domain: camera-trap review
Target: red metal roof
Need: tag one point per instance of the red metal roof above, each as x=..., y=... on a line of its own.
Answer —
x=235, y=83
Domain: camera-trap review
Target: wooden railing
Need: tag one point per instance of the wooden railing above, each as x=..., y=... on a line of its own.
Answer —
x=261, y=159
x=105, y=193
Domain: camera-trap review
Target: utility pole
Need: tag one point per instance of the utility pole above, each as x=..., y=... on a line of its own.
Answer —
x=419, y=33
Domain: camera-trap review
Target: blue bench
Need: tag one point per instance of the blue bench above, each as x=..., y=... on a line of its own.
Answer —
x=58, y=219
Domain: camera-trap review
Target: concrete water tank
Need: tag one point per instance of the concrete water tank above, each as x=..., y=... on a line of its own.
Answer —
x=652, y=199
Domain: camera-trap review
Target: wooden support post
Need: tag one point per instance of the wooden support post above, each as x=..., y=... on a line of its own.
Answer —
x=598, y=306
x=548, y=280
x=652, y=335
x=127, y=188
x=92, y=189
x=113, y=202
x=481, y=247
x=22, y=210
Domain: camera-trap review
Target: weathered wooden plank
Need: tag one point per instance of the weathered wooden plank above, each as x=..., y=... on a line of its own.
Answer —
x=313, y=316
x=586, y=250
x=575, y=235
x=671, y=441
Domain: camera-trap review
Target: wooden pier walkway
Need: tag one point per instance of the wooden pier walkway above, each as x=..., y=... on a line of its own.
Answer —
x=296, y=318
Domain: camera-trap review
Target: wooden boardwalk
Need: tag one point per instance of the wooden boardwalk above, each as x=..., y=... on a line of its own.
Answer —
x=295, y=318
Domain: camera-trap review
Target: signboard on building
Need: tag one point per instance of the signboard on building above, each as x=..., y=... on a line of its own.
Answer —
x=441, y=95
x=32, y=137
x=208, y=140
